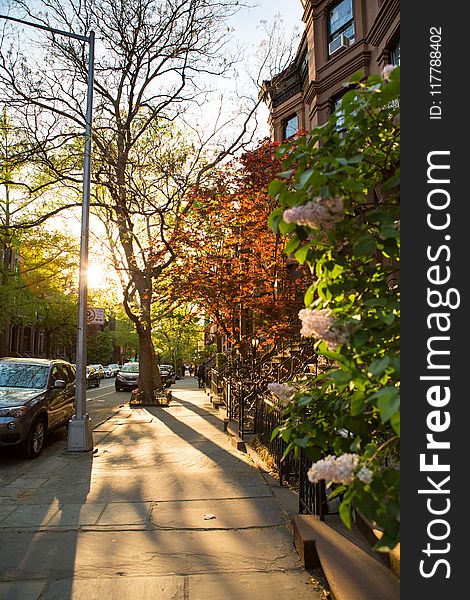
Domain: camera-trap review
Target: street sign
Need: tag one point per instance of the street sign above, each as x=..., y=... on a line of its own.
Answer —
x=95, y=316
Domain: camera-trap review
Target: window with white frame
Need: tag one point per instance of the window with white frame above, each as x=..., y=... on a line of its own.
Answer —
x=340, y=25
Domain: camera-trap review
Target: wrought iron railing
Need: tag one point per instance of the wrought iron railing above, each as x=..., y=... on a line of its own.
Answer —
x=241, y=386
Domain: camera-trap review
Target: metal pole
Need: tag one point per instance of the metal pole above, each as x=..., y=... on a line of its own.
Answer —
x=80, y=437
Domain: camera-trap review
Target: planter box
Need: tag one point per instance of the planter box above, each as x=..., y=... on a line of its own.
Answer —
x=160, y=398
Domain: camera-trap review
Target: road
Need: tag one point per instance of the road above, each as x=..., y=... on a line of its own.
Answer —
x=102, y=402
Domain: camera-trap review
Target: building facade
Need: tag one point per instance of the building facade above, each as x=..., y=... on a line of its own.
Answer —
x=340, y=38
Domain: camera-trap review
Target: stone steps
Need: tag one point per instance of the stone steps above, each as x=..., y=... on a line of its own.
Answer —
x=352, y=572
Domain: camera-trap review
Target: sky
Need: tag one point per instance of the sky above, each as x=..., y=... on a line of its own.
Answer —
x=250, y=33
x=247, y=21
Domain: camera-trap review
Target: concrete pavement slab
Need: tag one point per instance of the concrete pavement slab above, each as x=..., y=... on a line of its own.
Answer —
x=258, y=586
x=125, y=513
x=234, y=513
x=55, y=554
x=166, y=485
x=21, y=590
x=31, y=516
x=129, y=588
x=26, y=483
x=77, y=515
x=5, y=511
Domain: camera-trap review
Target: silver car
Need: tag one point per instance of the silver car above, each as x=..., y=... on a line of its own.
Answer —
x=127, y=377
x=36, y=396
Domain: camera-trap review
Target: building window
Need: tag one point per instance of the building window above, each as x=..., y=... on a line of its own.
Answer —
x=340, y=22
x=291, y=126
x=395, y=54
x=26, y=345
x=339, y=112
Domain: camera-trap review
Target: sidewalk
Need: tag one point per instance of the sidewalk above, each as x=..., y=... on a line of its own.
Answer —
x=164, y=508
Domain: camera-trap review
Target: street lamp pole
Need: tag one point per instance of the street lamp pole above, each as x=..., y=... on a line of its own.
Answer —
x=80, y=438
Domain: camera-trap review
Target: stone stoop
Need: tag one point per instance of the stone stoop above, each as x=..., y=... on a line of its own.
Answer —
x=351, y=571
x=232, y=429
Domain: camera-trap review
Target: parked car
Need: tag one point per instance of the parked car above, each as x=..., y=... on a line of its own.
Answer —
x=100, y=369
x=127, y=377
x=36, y=396
x=168, y=374
x=93, y=378
x=111, y=370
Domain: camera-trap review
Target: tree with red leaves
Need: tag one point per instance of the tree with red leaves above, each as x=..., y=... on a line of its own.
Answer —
x=234, y=267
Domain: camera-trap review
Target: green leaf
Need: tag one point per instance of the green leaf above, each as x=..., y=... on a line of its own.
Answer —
x=388, y=402
x=392, y=182
x=304, y=400
x=395, y=422
x=345, y=514
x=340, y=377
x=337, y=491
x=356, y=159
x=308, y=298
x=292, y=244
x=365, y=246
x=305, y=176
x=313, y=453
x=302, y=442
x=355, y=78
x=377, y=367
x=357, y=404
x=286, y=174
x=275, y=187
x=275, y=218
x=301, y=254
x=286, y=228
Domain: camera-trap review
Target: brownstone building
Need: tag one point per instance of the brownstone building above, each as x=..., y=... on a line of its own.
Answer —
x=340, y=38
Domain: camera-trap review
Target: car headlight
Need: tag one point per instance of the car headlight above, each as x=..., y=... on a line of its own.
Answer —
x=16, y=411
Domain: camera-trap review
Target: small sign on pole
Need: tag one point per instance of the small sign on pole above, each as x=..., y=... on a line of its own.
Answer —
x=95, y=316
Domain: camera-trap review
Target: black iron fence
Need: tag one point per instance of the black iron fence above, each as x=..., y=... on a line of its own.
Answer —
x=267, y=419
x=241, y=387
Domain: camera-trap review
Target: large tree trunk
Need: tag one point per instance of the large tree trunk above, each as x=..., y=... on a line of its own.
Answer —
x=149, y=373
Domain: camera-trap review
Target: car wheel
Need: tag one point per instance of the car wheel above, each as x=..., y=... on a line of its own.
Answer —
x=35, y=440
x=118, y=389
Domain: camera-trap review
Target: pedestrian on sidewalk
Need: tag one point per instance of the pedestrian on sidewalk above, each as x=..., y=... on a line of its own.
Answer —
x=201, y=371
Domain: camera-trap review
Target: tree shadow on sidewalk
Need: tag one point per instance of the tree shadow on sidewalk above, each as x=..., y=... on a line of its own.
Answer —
x=40, y=534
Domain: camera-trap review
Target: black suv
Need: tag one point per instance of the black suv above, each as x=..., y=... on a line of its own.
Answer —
x=36, y=396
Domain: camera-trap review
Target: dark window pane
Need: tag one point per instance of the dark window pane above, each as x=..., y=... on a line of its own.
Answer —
x=395, y=55
x=291, y=127
x=341, y=20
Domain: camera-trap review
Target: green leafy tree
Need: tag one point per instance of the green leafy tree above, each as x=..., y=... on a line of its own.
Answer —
x=40, y=289
x=99, y=346
x=176, y=336
x=125, y=338
x=339, y=210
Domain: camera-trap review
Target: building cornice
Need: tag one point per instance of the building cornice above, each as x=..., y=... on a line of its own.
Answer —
x=383, y=22
x=332, y=73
